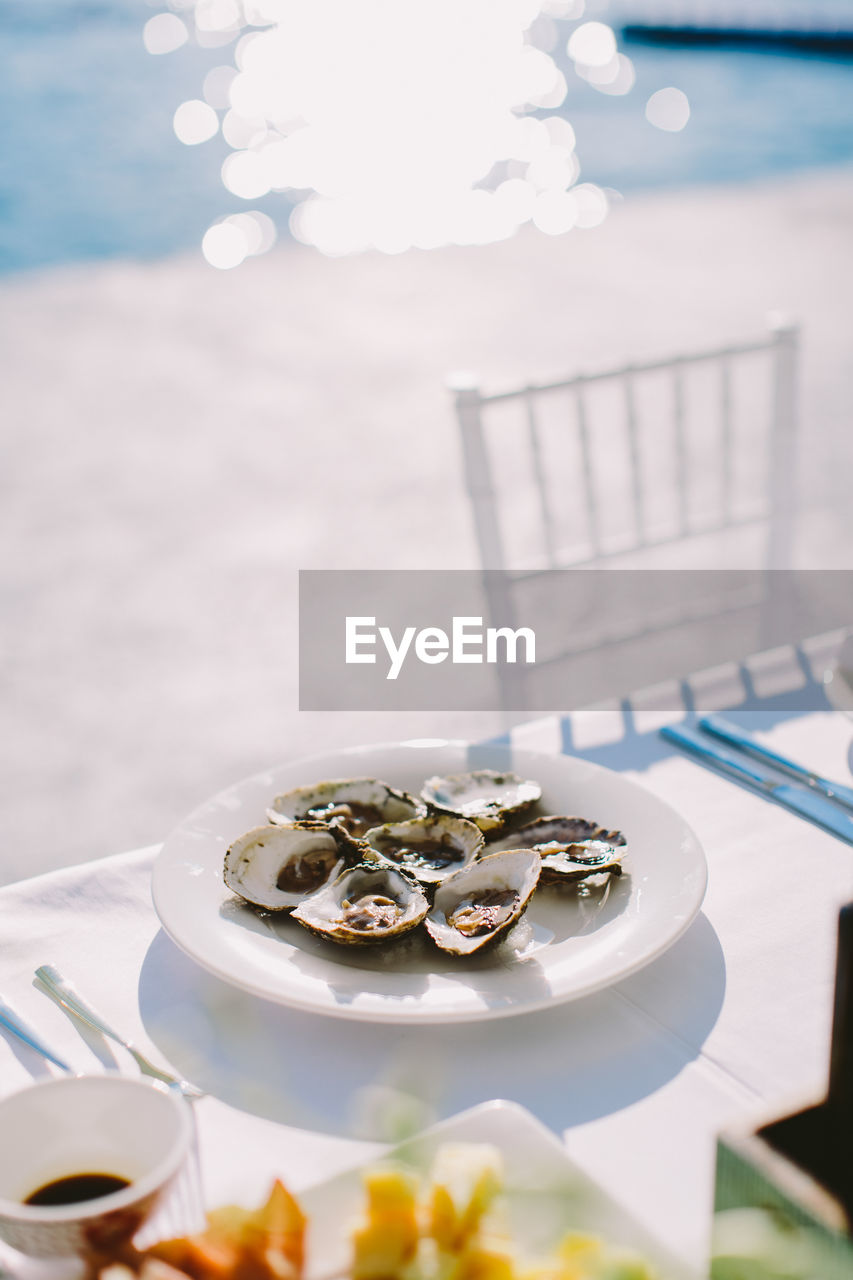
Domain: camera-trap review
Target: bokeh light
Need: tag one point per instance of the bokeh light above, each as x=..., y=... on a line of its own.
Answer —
x=164, y=33
x=195, y=122
x=668, y=109
x=217, y=87
x=592, y=44
x=224, y=246
x=616, y=76
x=397, y=126
x=241, y=235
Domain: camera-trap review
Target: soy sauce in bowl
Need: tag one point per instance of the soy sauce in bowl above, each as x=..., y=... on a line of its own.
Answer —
x=77, y=1187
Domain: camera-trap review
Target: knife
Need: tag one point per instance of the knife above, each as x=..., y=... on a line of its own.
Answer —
x=737, y=737
x=14, y=1023
x=801, y=800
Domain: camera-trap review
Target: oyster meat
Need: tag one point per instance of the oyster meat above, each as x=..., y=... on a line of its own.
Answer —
x=356, y=804
x=478, y=905
x=277, y=867
x=366, y=904
x=557, y=829
x=430, y=848
x=562, y=864
x=483, y=796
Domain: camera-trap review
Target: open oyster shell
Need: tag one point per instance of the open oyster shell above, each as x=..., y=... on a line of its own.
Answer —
x=365, y=905
x=477, y=906
x=483, y=796
x=277, y=867
x=430, y=848
x=565, y=864
x=356, y=804
x=556, y=829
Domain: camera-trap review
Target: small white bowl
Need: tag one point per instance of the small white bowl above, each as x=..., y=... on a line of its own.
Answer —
x=134, y=1129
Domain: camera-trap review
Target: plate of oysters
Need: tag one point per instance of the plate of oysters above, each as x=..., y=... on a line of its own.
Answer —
x=429, y=881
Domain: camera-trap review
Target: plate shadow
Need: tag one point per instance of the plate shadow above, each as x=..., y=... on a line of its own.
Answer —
x=568, y=1064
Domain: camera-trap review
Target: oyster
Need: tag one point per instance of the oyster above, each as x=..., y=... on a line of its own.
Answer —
x=481, y=903
x=356, y=804
x=431, y=848
x=557, y=829
x=277, y=867
x=562, y=864
x=366, y=904
x=483, y=796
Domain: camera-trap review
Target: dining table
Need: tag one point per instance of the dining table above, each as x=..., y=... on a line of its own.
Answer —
x=728, y=1028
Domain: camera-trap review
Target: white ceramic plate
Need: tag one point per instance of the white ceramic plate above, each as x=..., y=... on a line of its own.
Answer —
x=546, y=1194
x=569, y=944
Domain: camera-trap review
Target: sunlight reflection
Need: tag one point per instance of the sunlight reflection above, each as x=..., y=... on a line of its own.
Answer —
x=195, y=122
x=217, y=15
x=217, y=86
x=389, y=126
x=616, y=76
x=228, y=243
x=224, y=246
x=164, y=33
x=593, y=44
x=668, y=109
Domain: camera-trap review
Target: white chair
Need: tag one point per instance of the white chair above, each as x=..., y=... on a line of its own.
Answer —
x=588, y=483
x=687, y=461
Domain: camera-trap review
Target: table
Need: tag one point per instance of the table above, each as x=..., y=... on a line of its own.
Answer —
x=729, y=1027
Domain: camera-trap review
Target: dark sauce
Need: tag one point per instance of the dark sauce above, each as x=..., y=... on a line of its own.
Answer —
x=436, y=854
x=302, y=875
x=354, y=817
x=76, y=1187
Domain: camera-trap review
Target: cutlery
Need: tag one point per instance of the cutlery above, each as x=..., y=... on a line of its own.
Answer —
x=65, y=995
x=801, y=800
x=14, y=1023
x=737, y=737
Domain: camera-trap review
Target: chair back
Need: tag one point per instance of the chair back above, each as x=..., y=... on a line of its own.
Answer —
x=603, y=465
x=662, y=464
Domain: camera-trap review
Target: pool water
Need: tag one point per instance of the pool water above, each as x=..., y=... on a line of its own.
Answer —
x=90, y=167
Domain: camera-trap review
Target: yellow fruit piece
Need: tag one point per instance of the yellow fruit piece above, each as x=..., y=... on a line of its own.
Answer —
x=465, y=1180
x=386, y=1240
x=483, y=1260
x=390, y=1188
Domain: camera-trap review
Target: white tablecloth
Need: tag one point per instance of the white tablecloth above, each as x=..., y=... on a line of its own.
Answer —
x=728, y=1027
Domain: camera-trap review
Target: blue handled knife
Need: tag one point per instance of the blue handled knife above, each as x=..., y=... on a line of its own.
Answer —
x=14, y=1023
x=804, y=801
x=737, y=737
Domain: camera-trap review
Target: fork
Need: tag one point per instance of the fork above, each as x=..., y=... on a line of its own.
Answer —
x=65, y=995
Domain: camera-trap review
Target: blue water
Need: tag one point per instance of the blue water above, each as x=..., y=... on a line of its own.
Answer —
x=90, y=167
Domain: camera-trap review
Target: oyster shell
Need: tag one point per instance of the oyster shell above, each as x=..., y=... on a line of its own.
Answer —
x=277, y=867
x=563, y=864
x=356, y=804
x=430, y=848
x=365, y=905
x=483, y=796
x=556, y=829
x=478, y=905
